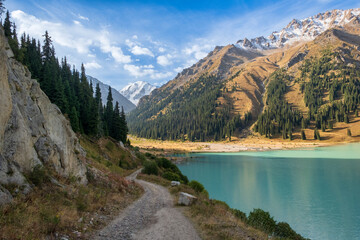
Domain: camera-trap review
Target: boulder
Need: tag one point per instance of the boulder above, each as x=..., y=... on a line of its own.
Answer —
x=175, y=183
x=186, y=199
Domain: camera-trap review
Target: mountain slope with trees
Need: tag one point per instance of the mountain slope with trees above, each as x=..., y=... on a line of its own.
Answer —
x=66, y=87
x=297, y=90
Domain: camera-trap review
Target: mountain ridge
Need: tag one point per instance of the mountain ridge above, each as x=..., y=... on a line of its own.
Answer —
x=136, y=90
x=241, y=76
x=301, y=30
x=117, y=96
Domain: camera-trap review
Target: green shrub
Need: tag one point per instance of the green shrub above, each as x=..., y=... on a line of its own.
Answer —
x=198, y=187
x=283, y=230
x=50, y=220
x=110, y=146
x=38, y=176
x=124, y=164
x=150, y=168
x=149, y=155
x=165, y=163
x=81, y=205
x=262, y=220
x=239, y=214
x=171, y=176
x=184, y=179
x=140, y=156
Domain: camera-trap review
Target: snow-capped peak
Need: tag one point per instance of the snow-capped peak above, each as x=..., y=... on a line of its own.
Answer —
x=301, y=30
x=135, y=91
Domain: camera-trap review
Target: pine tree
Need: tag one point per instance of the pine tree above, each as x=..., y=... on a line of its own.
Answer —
x=108, y=113
x=123, y=123
x=98, y=102
x=303, y=136
x=7, y=25
x=2, y=8
x=116, y=124
x=303, y=123
x=349, y=132
x=74, y=119
x=48, y=50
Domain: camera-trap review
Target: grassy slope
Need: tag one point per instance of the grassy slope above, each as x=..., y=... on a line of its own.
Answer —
x=69, y=209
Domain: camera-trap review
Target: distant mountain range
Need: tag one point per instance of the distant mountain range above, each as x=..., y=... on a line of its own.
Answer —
x=118, y=97
x=301, y=30
x=135, y=91
x=311, y=61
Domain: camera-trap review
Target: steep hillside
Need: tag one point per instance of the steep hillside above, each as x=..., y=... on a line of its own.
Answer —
x=239, y=76
x=118, y=97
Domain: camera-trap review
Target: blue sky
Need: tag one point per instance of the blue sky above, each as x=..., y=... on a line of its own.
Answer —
x=126, y=41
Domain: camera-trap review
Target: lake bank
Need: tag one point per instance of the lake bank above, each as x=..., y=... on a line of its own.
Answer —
x=251, y=144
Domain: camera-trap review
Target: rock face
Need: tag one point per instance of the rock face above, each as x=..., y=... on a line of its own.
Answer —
x=186, y=199
x=33, y=131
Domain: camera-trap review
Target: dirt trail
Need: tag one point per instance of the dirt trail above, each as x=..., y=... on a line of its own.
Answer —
x=153, y=216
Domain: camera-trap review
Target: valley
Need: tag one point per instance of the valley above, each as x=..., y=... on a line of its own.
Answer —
x=243, y=140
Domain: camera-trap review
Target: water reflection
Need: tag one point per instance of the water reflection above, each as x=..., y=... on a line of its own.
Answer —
x=319, y=196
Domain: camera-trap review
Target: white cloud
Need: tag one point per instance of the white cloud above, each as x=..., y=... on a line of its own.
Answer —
x=115, y=51
x=83, y=18
x=137, y=50
x=161, y=49
x=146, y=71
x=198, y=51
x=164, y=60
x=92, y=65
x=73, y=36
x=77, y=22
x=178, y=69
x=148, y=66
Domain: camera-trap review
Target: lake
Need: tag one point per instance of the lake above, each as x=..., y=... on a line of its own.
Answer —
x=317, y=191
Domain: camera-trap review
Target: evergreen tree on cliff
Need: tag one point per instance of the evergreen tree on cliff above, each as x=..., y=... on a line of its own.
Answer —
x=108, y=114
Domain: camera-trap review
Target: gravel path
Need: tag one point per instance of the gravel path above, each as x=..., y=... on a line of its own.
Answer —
x=153, y=216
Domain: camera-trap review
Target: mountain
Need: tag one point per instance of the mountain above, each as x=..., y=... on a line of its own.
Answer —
x=301, y=30
x=33, y=131
x=135, y=91
x=118, y=97
x=235, y=85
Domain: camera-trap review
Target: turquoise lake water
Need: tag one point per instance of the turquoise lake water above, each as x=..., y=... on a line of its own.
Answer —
x=317, y=191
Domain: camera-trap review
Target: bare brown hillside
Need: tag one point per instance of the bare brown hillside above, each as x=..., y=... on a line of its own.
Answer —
x=244, y=73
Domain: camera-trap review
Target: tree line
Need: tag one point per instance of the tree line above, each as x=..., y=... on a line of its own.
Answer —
x=331, y=92
x=66, y=87
x=191, y=112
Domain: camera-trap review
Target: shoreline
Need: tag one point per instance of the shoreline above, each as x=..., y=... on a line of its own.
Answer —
x=251, y=144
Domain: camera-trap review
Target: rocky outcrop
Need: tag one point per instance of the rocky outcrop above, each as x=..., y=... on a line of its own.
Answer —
x=186, y=199
x=297, y=58
x=33, y=131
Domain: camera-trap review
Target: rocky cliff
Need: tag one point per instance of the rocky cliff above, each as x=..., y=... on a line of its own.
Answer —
x=33, y=131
